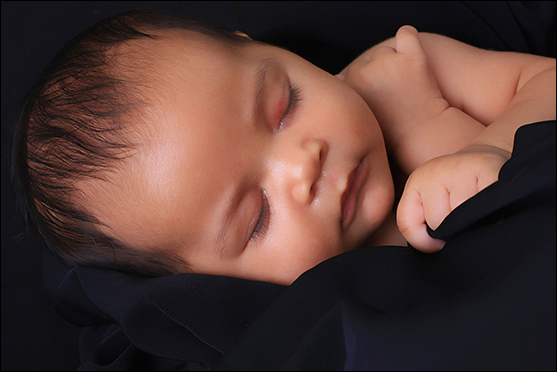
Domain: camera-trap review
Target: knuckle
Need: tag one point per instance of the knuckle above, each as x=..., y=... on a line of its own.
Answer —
x=362, y=72
x=401, y=220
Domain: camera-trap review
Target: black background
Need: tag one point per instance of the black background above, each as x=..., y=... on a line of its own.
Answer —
x=34, y=337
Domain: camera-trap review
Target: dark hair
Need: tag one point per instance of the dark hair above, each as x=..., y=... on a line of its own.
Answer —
x=71, y=128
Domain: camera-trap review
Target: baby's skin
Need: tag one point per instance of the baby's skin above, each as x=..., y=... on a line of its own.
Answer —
x=448, y=112
x=254, y=163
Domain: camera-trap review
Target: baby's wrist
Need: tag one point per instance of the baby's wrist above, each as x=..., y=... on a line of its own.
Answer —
x=446, y=133
x=485, y=141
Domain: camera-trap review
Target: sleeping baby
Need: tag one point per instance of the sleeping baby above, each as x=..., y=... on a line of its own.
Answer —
x=155, y=146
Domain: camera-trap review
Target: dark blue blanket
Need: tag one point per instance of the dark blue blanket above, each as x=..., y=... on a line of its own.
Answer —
x=486, y=301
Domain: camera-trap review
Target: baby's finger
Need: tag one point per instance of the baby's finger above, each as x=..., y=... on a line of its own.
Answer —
x=487, y=178
x=462, y=191
x=412, y=223
x=437, y=205
x=408, y=41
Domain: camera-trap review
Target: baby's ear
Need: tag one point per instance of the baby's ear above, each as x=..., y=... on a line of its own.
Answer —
x=243, y=34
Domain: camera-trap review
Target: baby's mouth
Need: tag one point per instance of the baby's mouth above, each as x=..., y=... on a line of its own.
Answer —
x=349, y=196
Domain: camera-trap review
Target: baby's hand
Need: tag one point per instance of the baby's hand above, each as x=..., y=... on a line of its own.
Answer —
x=397, y=84
x=438, y=186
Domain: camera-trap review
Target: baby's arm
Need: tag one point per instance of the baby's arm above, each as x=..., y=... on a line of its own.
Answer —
x=435, y=96
x=418, y=122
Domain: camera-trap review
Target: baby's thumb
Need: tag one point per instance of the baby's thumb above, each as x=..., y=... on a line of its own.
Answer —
x=411, y=222
x=408, y=41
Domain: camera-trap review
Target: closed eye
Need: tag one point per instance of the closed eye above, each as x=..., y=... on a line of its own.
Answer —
x=262, y=225
x=295, y=98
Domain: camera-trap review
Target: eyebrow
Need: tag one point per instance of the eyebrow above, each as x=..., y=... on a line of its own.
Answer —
x=221, y=237
x=260, y=80
x=260, y=75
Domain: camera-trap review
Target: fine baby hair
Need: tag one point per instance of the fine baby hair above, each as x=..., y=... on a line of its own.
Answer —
x=73, y=125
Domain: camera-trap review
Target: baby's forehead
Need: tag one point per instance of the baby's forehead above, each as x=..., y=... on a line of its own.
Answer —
x=193, y=41
x=172, y=49
x=153, y=65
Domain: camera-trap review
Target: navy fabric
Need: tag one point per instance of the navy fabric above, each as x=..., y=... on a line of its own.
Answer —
x=486, y=301
x=182, y=317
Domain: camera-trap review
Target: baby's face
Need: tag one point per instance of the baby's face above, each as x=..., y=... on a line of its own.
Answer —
x=258, y=165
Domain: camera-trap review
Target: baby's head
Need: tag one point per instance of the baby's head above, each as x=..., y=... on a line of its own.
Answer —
x=155, y=146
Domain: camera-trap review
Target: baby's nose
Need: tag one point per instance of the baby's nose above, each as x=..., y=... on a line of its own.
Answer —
x=308, y=170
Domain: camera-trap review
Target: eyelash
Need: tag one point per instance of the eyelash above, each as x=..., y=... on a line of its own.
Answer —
x=264, y=217
x=295, y=97
x=262, y=224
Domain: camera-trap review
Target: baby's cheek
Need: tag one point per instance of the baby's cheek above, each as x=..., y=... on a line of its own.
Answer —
x=321, y=248
x=308, y=249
